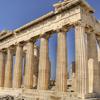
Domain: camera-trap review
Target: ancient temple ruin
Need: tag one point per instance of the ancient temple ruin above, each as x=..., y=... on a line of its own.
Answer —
x=34, y=83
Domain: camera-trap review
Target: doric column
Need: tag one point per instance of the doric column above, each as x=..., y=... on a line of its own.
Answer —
x=28, y=82
x=17, y=80
x=43, y=74
x=94, y=77
x=2, y=68
x=81, y=60
x=61, y=70
x=8, y=69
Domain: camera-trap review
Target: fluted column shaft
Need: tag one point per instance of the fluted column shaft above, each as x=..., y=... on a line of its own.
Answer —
x=17, y=81
x=8, y=69
x=2, y=68
x=93, y=55
x=29, y=65
x=61, y=70
x=81, y=61
x=43, y=76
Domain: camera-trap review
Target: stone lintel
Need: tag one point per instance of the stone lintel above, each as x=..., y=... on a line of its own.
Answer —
x=55, y=20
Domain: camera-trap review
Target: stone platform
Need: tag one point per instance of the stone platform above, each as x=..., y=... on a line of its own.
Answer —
x=29, y=94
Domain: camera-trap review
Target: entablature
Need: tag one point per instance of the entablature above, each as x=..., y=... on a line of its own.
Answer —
x=66, y=18
x=71, y=12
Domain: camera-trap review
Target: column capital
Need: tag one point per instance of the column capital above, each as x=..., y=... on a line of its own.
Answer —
x=1, y=50
x=89, y=30
x=11, y=48
x=30, y=41
x=62, y=29
x=46, y=35
x=19, y=44
x=80, y=23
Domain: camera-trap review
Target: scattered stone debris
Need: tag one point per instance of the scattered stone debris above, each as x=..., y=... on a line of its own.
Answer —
x=6, y=97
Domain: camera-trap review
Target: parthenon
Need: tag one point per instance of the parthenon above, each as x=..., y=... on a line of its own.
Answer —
x=32, y=82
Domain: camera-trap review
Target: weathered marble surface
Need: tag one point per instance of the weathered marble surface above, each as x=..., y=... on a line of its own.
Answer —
x=34, y=84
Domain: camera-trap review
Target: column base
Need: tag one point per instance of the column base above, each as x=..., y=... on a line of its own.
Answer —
x=89, y=96
x=92, y=95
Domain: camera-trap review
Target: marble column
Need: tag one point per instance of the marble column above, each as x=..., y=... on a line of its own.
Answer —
x=61, y=70
x=8, y=69
x=28, y=82
x=17, y=80
x=95, y=68
x=43, y=76
x=2, y=68
x=81, y=61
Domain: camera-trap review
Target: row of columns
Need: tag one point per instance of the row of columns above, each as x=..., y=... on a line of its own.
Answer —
x=44, y=65
x=6, y=79
x=85, y=49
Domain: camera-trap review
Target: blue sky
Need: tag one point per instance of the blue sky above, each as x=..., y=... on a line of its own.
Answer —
x=15, y=13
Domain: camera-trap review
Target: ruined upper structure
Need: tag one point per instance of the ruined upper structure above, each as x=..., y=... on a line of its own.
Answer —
x=77, y=14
